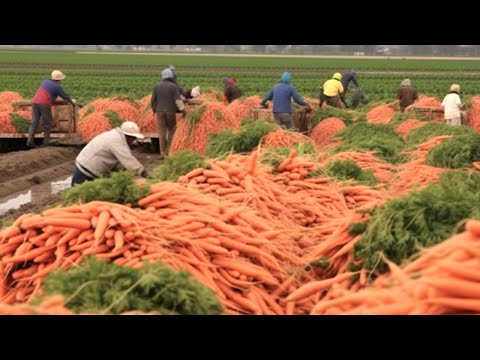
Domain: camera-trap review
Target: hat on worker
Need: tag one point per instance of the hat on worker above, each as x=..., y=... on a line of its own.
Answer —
x=167, y=74
x=286, y=78
x=129, y=128
x=57, y=75
x=171, y=67
x=455, y=88
x=337, y=76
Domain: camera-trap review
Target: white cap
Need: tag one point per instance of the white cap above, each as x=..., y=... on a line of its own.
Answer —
x=57, y=75
x=455, y=87
x=131, y=129
x=195, y=92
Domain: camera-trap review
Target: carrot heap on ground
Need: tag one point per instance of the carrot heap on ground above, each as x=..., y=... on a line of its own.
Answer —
x=7, y=98
x=408, y=125
x=126, y=109
x=241, y=108
x=94, y=124
x=474, y=114
x=6, y=125
x=419, y=155
x=381, y=114
x=425, y=101
x=323, y=134
x=192, y=134
x=283, y=138
x=443, y=280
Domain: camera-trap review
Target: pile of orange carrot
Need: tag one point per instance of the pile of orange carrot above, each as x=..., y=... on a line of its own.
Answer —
x=381, y=114
x=443, y=280
x=408, y=125
x=324, y=132
x=194, y=137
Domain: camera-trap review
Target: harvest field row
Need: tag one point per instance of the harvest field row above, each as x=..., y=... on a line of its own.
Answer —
x=91, y=75
x=139, y=60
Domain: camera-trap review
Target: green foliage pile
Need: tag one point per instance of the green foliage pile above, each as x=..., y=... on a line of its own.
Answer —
x=114, y=119
x=330, y=112
x=117, y=188
x=178, y=164
x=244, y=141
x=98, y=286
x=21, y=124
x=434, y=129
x=457, y=152
x=372, y=137
x=403, y=226
x=349, y=169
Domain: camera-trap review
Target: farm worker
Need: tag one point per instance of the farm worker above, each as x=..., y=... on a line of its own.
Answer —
x=282, y=95
x=108, y=152
x=192, y=93
x=347, y=77
x=333, y=92
x=452, y=106
x=48, y=92
x=407, y=94
x=232, y=91
x=357, y=98
x=166, y=101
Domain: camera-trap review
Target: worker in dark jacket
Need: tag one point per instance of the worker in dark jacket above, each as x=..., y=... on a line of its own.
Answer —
x=347, y=78
x=282, y=95
x=166, y=101
x=407, y=94
x=48, y=92
x=232, y=91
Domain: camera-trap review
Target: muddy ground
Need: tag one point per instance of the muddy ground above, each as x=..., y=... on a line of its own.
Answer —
x=33, y=179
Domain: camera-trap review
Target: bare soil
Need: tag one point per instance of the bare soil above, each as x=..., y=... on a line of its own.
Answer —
x=29, y=179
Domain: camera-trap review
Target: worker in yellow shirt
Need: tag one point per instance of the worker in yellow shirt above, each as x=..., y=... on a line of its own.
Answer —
x=333, y=92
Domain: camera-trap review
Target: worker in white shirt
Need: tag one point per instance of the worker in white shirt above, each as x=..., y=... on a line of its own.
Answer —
x=109, y=152
x=452, y=106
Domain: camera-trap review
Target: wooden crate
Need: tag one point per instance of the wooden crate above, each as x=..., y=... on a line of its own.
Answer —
x=64, y=116
x=434, y=113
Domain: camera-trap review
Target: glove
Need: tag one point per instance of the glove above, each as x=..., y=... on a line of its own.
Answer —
x=184, y=113
x=74, y=101
x=309, y=109
x=265, y=106
x=144, y=174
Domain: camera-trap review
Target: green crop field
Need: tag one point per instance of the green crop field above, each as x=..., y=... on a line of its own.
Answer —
x=92, y=75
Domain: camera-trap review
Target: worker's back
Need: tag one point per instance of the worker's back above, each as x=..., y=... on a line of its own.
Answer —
x=164, y=96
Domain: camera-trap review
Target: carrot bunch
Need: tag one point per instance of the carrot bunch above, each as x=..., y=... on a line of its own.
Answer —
x=443, y=280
